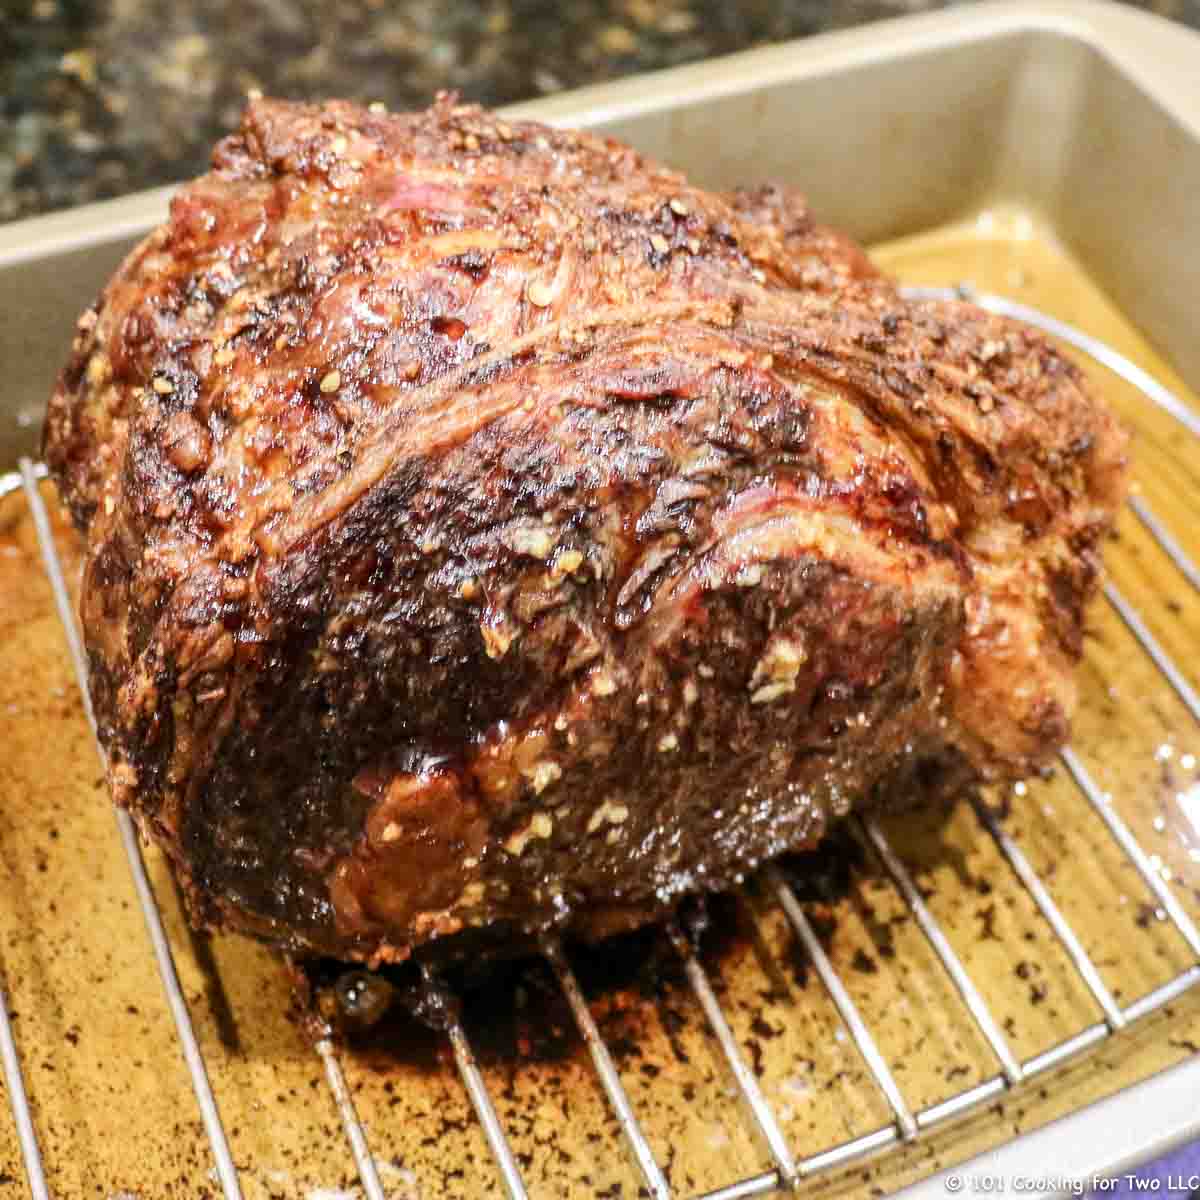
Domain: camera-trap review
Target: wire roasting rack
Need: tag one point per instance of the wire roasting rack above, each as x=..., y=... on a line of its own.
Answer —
x=789, y=1170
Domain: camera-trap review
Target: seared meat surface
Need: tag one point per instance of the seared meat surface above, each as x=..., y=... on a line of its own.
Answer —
x=488, y=529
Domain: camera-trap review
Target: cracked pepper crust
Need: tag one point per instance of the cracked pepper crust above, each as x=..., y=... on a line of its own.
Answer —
x=489, y=530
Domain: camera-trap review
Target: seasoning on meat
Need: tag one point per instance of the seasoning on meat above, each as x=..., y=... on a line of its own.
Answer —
x=488, y=531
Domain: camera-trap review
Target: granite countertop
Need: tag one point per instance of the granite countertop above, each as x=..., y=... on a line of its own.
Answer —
x=103, y=97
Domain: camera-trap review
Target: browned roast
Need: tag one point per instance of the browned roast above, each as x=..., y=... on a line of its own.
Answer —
x=489, y=529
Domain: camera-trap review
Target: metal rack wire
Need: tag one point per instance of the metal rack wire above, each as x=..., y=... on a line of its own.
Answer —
x=787, y=1171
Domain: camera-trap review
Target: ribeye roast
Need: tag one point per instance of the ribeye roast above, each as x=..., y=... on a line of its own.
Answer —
x=489, y=529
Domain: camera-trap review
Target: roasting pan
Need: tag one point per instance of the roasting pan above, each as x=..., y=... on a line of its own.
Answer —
x=1007, y=998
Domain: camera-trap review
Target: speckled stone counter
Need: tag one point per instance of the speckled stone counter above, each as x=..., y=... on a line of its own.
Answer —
x=103, y=97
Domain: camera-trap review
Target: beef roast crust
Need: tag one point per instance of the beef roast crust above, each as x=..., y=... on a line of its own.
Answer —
x=489, y=529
